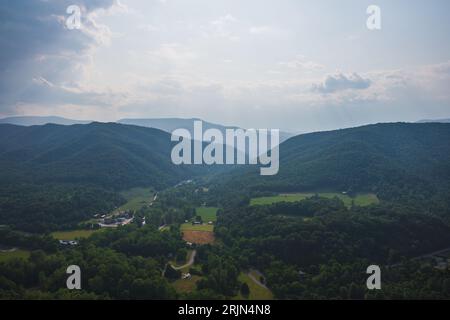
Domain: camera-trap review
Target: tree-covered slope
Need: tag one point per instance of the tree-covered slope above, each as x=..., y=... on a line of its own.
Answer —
x=103, y=154
x=389, y=158
x=55, y=176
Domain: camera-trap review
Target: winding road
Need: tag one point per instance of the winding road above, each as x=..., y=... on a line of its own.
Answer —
x=189, y=263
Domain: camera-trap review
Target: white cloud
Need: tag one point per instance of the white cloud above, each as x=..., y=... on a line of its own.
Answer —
x=340, y=81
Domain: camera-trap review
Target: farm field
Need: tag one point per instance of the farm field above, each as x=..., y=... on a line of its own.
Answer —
x=196, y=227
x=18, y=253
x=363, y=199
x=73, y=234
x=207, y=213
x=198, y=237
x=257, y=292
x=136, y=199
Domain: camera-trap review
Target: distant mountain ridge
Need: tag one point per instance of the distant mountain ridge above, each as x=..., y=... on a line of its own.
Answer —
x=109, y=155
x=38, y=121
x=164, y=124
x=170, y=124
x=434, y=121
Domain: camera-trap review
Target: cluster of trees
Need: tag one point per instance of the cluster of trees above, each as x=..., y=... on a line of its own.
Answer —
x=11, y=238
x=52, y=207
x=126, y=263
x=334, y=280
x=106, y=274
x=144, y=241
x=173, y=206
x=220, y=271
x=381, y=233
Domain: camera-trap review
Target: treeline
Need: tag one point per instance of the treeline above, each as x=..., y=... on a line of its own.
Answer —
x=140, y=241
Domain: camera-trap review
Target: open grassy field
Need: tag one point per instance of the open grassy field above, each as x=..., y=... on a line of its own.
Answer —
x=74, y=234
x=19, y=253
x=186, y=285
x=207, y=213
x=136, y=199
x=363, y=199
x=196, y=227
x=256, y=291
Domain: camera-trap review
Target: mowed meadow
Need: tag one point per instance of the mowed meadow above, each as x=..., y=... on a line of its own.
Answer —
x=362, y=199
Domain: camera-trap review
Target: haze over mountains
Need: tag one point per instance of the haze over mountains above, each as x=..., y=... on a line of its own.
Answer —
x=37, y=120
x=434, y=120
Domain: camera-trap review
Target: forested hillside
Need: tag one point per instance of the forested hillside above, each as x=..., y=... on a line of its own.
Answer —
x=397, y=161
x=55, y=175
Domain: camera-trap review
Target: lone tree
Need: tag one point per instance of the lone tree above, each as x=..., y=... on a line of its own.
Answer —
x=245, y=290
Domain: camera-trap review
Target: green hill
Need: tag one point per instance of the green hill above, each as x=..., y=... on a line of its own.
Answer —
x=391, y=160
x=55, y=176
x=109, y=155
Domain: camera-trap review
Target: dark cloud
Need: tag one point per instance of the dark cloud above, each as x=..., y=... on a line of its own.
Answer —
x=339, y=82
x=35, y=43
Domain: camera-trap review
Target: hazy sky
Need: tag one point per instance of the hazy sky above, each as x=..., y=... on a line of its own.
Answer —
x=288, y=64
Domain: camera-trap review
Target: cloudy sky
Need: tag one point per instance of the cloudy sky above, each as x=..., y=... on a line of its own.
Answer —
x=289, y=64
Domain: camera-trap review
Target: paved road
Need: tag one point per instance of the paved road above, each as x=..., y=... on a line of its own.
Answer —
x=189, y=263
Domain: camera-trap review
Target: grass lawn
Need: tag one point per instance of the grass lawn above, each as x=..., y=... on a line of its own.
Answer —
x=196, y=227
x=256, y=291
x=207, y=213
x=293, y=197
x=73, y=234
x=363, y=199
x=19, y=253
x=136, y=199
x=366, y=199
x=186, y=285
